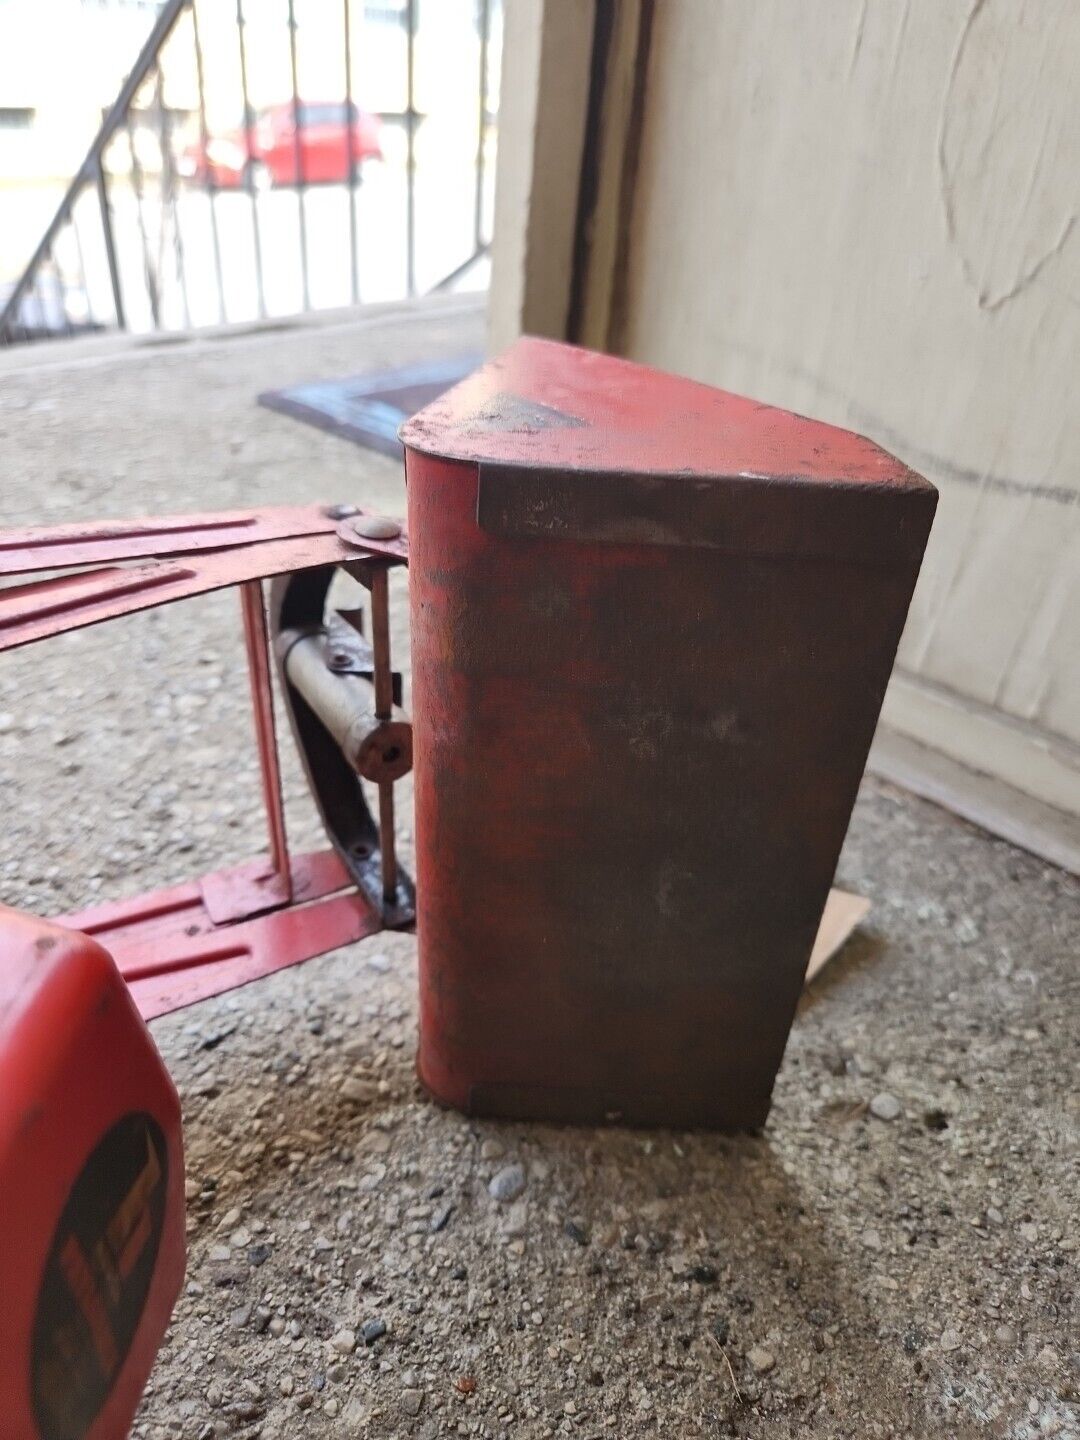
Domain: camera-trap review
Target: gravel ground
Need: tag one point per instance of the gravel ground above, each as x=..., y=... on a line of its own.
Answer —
x=896, y=1255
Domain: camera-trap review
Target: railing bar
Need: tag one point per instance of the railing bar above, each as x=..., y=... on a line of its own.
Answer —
x=249, y=144
x=137, y=186
x=354, y=279
x=110, y=244
x=69, y=328
x=410, y=120
x=211, y=188
x=92, y=161
x=485, y=39
x=298, y=154
x=168, y=176
x=91, y=318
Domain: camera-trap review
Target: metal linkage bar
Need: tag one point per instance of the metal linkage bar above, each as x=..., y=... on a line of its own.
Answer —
x=256, y=639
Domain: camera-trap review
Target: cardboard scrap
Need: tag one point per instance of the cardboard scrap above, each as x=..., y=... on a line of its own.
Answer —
x=843, y=912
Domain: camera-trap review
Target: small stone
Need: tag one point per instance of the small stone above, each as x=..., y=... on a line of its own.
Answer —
x=344, y=1342
x=220, y=1253
x=379, y=963
x=492, y=1149
x=259, y=1254
x=517, y=1219
x=331, y=1407
x=1007, y=1336
x=994, y=1216
x=507, y=1184
x=412, y=1401
x=885, y=1106
x=950, y=1340
x=576, y=1232
x=286, y=1384
x=360, y=1092
x=761, y=1360
x=441, y=1218
x=871, y=1239
x=277, y=1327
x=372, y=1330
x=704, y=1274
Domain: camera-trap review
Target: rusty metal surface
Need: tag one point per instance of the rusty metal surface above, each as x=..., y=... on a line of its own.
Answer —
x=298, y=607
x=636, y=755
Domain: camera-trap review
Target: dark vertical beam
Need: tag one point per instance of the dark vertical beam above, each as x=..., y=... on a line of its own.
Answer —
x=485, y=41
x=350, y=131
x=137, y=185
x=298, y=154
x=410, y=163
x=81, y=258
x=168, y=180
x=211, y=188
x=249, y=145
x=105, y=206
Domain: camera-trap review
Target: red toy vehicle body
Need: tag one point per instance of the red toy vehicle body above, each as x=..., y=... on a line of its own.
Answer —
x=326, y=142
x=652, y=626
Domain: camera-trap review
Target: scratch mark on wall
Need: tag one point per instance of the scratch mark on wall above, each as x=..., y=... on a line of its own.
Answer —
x=1000, y=229
x=857, y=37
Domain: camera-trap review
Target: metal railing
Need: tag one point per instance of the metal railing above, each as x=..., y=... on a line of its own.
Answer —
x=176, y=219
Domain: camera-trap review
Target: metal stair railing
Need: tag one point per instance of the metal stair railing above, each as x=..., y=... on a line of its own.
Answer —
x=144, y=273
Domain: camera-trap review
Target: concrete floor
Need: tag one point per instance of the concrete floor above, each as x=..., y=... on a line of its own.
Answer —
x=841, y=1275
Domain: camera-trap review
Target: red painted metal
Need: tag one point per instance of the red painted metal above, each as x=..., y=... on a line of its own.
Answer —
x=185, y=943
x=182, y=944
x=62, y=547
x=42, y=608
x=91, y=1256
x=652, y=628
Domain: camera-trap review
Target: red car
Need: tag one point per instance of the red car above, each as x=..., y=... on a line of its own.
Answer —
x=324, y=147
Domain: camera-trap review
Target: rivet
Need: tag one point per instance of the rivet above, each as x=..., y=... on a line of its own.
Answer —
x=341, y=512
x=377, y=527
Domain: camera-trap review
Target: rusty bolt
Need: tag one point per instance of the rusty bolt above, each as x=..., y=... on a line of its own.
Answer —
x=377, y=527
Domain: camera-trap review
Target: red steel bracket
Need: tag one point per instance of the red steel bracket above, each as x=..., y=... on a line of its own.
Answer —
x=185, y=943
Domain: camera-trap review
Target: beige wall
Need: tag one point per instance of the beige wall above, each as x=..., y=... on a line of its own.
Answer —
x=867, y=210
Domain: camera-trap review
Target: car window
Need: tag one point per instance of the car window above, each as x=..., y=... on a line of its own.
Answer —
x=331, y=114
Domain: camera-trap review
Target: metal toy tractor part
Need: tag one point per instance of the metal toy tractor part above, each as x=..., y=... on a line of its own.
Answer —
x=652, y=626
